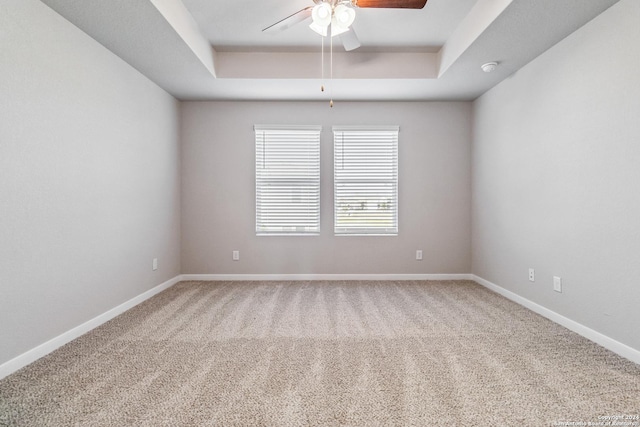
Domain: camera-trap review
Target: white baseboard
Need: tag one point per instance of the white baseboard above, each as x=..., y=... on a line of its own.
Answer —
x=295, y=277
x=54, y=343
x=603, y=340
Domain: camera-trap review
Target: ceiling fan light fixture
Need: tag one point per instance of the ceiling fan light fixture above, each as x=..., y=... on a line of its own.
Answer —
x=321, y=14
x=336, y=30
x=344, y=16
x=323, y=31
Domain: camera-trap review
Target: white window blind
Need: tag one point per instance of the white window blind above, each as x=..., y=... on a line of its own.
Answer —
x=287, y=180
x=365, y=180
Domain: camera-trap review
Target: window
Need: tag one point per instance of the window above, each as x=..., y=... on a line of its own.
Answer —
x=365, y=170
x=287, y=180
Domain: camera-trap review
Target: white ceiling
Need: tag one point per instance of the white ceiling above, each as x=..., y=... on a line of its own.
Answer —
x=215, y=50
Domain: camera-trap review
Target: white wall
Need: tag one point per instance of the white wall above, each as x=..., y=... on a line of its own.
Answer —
x=556, y=173
x=218, y=191
x=89, y=179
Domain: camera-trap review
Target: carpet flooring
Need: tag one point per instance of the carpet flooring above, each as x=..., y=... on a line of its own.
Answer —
x=406, y=353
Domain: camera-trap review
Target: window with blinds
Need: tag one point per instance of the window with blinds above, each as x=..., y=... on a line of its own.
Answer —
x=287, y=180
x=365, y=180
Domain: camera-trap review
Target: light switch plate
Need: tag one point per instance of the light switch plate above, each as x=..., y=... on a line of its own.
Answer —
x=557, y=284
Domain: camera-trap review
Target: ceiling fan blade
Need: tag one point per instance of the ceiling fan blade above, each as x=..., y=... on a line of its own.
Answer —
x=392, y=4
x=350, y=40
x=290, y=20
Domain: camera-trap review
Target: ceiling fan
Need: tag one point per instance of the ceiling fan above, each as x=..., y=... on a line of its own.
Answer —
x=334, y=17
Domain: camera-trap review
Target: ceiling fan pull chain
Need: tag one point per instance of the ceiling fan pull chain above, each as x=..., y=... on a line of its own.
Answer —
x=331, y=75
x=322, y=66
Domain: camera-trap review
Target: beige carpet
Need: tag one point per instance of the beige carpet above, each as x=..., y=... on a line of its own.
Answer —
x=326, y=354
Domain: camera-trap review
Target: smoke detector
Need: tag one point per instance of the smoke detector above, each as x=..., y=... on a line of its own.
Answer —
x=489, y=67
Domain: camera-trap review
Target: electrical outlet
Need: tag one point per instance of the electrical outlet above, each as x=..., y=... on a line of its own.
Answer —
x=236, y=255
x=154, y=264
x=557, y=284
x=419, y=255
x=532, y=275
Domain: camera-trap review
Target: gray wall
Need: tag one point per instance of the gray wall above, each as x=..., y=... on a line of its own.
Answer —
x=89, y=179
x=556, y=177
x=218, y=191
